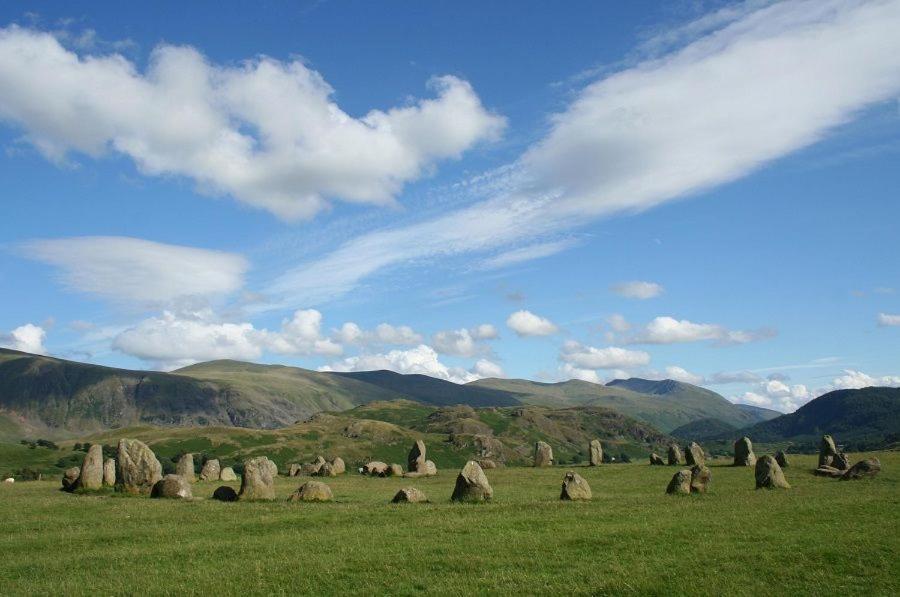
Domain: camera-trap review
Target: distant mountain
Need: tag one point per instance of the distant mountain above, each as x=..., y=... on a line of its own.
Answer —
x=760, y=413
x=430, y=390
x=859, y=419
x=703, y=429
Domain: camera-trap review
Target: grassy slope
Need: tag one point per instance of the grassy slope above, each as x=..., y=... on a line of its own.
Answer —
x=822, y=537
x=705, y=429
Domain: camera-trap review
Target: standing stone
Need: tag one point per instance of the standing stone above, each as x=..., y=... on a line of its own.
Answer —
x=91, y=477
x=137, y=469
x=409, y=495
x=781, y=458
x=258, y=480
x=70, y=478
x=472, y=485
x=109, y=472
x=827, y=451
x=840, y=461
x=395, y=470
x=185, y=467
x=574, y=488
x=680, y=483
x=674, y=455
x=211, y=470
x=225, y=494
x=294, y=469
x=596, y=452
x=769, y=474
x=543, y=454
x=227, y=474
x=415, y=462
x=743, y=452
x=172, y=487
x=338, y=467
x=693, y=455
x=700, y=478
x=656, y=460
x=312, y=491
x=327, y=470
x=864, y=468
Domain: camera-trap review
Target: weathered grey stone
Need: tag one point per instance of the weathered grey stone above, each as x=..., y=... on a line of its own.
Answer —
x=395, y=470
x=769, y=474
x=409, y=495
x=862, y=469
x=326, y=470
x=472, y=485
x=211, y=470
x=109, y=472
x=543, y=454
x=487, y=463
x=656, y=460
x=315, y=466
x=700, y=478
x=743, y=452
x=225, y=494
x=781, y=458
x=828, y=471
x=840, y=461
x=172, y=487
x=376, y=468
x=415, y=461
x=680, y=483
x=91, y=476
x=185, y=467
x=595, y=451
x=312, y=491
x=258, y=480
x=137, y=469
x=228, y=474
x=693, y=455
x=674, y=455
x=337, y=466
x=574, y=487
x=430, y=469
x=70, y=478
x=294, y=469
x=827, y=451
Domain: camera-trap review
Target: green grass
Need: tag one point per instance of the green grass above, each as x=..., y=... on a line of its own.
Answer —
x=822, y=537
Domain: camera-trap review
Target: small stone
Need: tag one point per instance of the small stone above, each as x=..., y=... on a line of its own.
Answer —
x=781, y=458
x=70, y=478
x=574, y=487
x=409, y=495
x=294, y=469
x=828, y=471
x=862, y=469
x=172, y=487
x=376, y=468
x=656, y=460
x=395, y=470
x=840, y=461
x=109, y=472
x=700, y=478
x=211, y=470
x=769, y=474
x=312, y=491
x=338, y=467
x=680, y=483
x=487, y=463
x=827, y=451
x=743, y=452
x=472, y=485
x=674, y=455
x=228, y=474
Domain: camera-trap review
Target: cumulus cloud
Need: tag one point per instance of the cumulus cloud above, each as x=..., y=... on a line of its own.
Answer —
x=852, y=379
x=421, y=359
x=612, y=357
x=569, y=371
x=886, y=319
x=384, y=333
x=132, y=269
x=668, y=330
x=526, y=323
x=637, y=289
x=464, y=342
x=682, y=374
x=266, y=132
x=485, y=368
x=26, y=338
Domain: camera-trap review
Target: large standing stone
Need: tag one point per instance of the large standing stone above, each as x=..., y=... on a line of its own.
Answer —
x=864, y=468
x=258, y=480
x=681, y=482
x=656, y=460
x=70, y=478
x=693, y=455
x=543, y=454
x=91, y=477
x=743, y=452
x=337, y=466
x=312, y=491
x=415, y=461
x=769, y=474
x=827, y=451
x=225, y=494
x=137, y=469
x=674, y=455
x=700, y=478
x=409, y=495
x=595, y=450
x=109, y=472
x=228, y=474
x=781, y=458
x=574, y=487
x=472, y=485
x=840, y=461
x=211, y=470
x=185, y=467
x=172, y=487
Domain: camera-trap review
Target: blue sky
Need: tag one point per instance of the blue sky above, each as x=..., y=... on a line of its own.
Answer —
x=698, y=190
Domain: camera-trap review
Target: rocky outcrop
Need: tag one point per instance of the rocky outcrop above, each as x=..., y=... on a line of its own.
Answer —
x=769, y=474
x=575, y=488
x=472, y=485
x=137, y=469
x=258, y=480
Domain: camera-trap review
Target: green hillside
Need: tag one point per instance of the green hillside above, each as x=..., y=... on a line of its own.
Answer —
x=704, y=429
x=431, y=390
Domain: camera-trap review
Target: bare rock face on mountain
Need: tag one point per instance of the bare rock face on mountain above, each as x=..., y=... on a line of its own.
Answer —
x=185, y=467
x=91, y=477
x=674, y=455
x=769, y=474
x=376, y=468
x=656, y=460
x=827, y=451
x=543, y=454
x=172, y=487
x=781, y=458
x=472, y=485
x=137, y=469
x=415, y=462
x=312, y=491
x=862, y=469
x=211, y=470
x=680, y=483
x=595, y=450
x=70, y=478
x=228, y=474
x=743, y=452
x=258, y=480
x=575, y=488
x=225, y=494
x=693, y=455
x=337, y=466
x=409, y=495
x=109, y=472
x=700, y=478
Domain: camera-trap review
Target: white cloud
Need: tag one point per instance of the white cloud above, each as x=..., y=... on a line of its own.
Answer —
x=485, y=368
x=384, y=333
x=264, y=131
x=618, y=323
x=886, y=319
x=526, y=323
x=612, y=357
x=464, y=342
x=132, y=269
x=421, y=360
x=637, y=289
x=668, y=330
x=568, y=371
x=681, y=374
x=484, y=331
x=728, y=377
x=26, y=338
x=852, y=379
x=527, y=253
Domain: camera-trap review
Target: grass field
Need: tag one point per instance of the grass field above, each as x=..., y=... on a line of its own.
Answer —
x=823, y=537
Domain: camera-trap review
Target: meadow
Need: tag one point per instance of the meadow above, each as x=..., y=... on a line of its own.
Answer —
x=821, y=537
